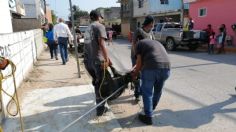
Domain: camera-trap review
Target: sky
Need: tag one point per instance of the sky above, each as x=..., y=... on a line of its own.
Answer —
x=61, y=7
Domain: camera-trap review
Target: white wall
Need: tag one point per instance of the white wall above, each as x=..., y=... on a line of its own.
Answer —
x=22, y=48
x=139, y=12
x=5, y=22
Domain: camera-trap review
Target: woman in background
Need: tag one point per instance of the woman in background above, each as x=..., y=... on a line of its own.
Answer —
x=53, y=46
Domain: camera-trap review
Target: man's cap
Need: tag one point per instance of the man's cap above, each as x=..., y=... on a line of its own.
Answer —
x=95, y=14
x=148, y=19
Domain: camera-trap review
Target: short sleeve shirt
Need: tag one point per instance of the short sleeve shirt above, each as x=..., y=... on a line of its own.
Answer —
x=97, y=31
x=152, y=54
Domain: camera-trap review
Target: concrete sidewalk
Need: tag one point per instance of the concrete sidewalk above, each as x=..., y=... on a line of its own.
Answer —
x=53, y=96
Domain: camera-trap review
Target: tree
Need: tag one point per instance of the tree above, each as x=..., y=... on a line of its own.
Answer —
x=54, y=17
x=78, y=13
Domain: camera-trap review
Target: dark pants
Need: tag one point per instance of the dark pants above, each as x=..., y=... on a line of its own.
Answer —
x=95, y=71
x=211, y=49
x=137, y=90
x=63, y=44
x=152, y=85
x=53, y=48
x=221, y=49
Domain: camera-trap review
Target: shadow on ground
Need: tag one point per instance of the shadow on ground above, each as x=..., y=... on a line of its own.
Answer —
x=191, y=118
x=60, y=113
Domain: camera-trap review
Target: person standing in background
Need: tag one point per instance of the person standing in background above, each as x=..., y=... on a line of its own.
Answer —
x=146, y=33
x=212, y=43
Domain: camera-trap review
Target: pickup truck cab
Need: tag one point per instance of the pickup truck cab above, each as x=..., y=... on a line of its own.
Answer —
x=171, y=34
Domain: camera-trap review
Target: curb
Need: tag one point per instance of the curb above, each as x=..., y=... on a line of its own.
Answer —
x=227, y=49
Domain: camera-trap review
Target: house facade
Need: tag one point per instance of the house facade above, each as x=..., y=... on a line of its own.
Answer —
x=167, y=10
x=161, y=10
x=141, y=10
x=126, y=13
x=6, y=25
x=214, y=12
x=112, y=16
x=83, y=21
x=35, y=15
x=48, y=14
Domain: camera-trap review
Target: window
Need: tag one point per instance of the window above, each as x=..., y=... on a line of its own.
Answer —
x=159, y=27
x=140, y=3
x=164, y=2
x=172, y=26
x=202, y=12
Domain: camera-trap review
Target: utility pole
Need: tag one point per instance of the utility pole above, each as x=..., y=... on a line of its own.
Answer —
x=75, y=40
x=182, y=12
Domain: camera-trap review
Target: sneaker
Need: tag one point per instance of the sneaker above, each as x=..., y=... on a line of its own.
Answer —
x=145, y=119
x=101, y=111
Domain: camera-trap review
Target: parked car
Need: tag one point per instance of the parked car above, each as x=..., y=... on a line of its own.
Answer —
x=114, y=35
x=80, y=35
x=172, y=36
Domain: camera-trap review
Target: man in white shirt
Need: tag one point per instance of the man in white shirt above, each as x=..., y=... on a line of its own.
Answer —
x=61, y=35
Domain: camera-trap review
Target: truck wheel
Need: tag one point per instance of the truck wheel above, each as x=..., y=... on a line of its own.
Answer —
x=170, y=44
x=193, y=47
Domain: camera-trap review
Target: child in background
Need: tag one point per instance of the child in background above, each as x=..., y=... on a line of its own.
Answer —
x=212, y=43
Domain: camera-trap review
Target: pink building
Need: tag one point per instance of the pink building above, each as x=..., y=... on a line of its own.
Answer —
x=214, y=12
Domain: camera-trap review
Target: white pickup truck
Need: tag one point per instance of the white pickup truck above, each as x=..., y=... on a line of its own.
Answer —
x=171, y=34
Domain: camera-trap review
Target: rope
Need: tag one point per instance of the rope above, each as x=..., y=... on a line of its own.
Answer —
x=104, y=76
x=14, y=98
x=93, y=108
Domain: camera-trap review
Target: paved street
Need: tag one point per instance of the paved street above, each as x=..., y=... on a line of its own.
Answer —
x=199, y=95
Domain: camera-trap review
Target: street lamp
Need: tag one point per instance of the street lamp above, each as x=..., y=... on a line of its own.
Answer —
x=75, y=40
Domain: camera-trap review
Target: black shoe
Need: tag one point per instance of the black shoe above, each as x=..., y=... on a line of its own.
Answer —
x=101, y=111
x=56, y=58
x=145, y=119
x=63, y=63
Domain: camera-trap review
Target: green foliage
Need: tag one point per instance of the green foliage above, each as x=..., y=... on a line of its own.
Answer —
x=54, y=17
x=78, y=13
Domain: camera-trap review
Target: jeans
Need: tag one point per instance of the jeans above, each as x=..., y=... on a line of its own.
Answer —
x=137, y=90
x=154, y=78
x=63, y=44
x=95, y=71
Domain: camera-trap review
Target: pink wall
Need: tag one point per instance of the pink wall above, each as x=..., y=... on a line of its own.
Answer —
x=218, y=12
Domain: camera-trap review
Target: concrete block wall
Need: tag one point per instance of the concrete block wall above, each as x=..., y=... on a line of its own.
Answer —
x=22, y=48
x=25, y=24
